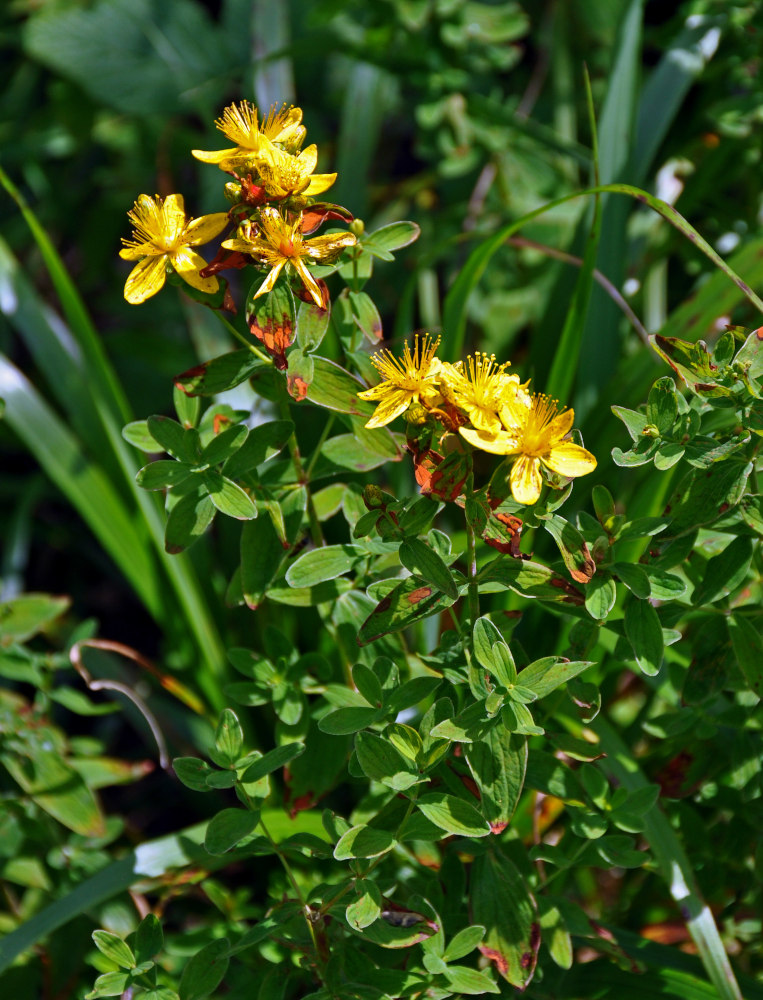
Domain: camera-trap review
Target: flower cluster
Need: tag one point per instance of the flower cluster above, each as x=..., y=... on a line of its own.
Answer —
x=272, y=192
x=488, y=408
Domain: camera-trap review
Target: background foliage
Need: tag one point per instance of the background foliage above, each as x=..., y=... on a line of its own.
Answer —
x=461, y=117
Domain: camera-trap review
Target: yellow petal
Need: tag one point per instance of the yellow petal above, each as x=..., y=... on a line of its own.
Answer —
x=308, y=159
x=136, y=251
x=327, y=248
x=215, y=155
x=271, y=279
x=387, y=411
x=569, y=459
x=188, y=264
x=560, y=425
x=497, y=444
x=145, y=279
x=319, y=183
x=204, y=229
x=309, y=281
x=174, y=220
x=525, y=479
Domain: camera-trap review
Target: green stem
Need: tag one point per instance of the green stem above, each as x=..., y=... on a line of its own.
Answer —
x=242, y=339
x=289, y=874
x=321, y=441
x=471, y=561
x=316, y=532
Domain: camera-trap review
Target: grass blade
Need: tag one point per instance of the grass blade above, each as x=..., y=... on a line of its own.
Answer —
x=674, y=864
x=82, y=482
x=567, y=355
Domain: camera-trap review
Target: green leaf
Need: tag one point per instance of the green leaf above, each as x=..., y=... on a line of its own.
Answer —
x=220, y=374
x=24, y=616
x=110, y=984
x=322, y=564
x=114, y=948
x=138, y=435
x=469, y=982
x=263, y=442
x=368, y=684
x=408, y=602
x=336, y=389
x=224, y=445
x=188, y=520
x=462, y=943
x=345, y=721
x=703, y=495
x=312, y=323
x=574, y=550
x=423, y=561
x=149, y=938
x=162, y=474
x=600, y=595
x=748, y=649
x=662, y=405
x=366, y=907
x=380, y=761
x=453, y=815
x=229, y=738
x=545, y=675
x=57, y=789
x=193, y=773
x=405, y=739
x=174, y=439
x=502, y=904
x=188, y=408
x=644, y=632
x=229, y=498
x=263, y=550
x=724, y=572
x=498, y=762
x=394, y=236
x=635, y=578
x=229, y=828
x=363, y=842
x=205, y=971
x=273, y=760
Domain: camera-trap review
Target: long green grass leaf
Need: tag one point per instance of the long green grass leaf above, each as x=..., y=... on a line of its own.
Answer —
x=567, y=354
x=111, y=406
x=82, y=482
x=674, y=865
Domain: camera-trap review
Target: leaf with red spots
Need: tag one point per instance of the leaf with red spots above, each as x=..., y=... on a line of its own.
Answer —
x=272, y=320
x=502, y=903
x=443, y=478
x=299, y=374
x=572, y=545
x=409, y=602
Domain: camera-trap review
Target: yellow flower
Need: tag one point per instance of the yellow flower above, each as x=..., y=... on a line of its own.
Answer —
x=482, y=392
x=283, y=175
x=275, y=243
x=537, y=435
x=163, y=235
x=240, y=124
x=413, y=379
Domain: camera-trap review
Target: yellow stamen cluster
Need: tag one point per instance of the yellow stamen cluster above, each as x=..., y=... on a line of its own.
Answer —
x=504, y=418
